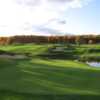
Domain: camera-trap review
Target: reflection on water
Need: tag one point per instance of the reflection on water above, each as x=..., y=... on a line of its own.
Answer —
x=94, y=64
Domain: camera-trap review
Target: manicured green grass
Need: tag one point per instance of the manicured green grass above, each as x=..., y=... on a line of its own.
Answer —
x=33, y=49
x=46, y=79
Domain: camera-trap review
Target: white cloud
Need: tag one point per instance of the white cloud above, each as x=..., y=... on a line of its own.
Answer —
x=20, y=16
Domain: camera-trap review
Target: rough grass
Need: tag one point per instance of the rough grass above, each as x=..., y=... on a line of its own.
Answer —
x=46, y=79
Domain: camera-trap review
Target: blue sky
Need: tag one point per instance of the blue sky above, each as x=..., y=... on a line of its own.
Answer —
x=49, y=17
x=86, y=19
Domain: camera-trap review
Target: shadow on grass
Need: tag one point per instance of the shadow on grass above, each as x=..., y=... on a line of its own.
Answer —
x=10, y=95
x=69, y=53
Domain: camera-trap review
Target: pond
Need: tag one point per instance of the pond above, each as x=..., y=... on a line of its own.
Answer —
x=93, y=64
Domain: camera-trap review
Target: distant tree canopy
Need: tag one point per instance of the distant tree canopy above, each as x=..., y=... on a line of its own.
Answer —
x=83, y=39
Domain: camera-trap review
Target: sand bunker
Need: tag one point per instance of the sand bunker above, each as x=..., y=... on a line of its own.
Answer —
x=13, y=56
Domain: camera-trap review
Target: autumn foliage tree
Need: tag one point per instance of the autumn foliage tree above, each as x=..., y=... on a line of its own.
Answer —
x=83, y=39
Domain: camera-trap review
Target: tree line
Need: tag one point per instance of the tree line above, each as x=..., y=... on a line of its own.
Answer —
x=79, y=39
